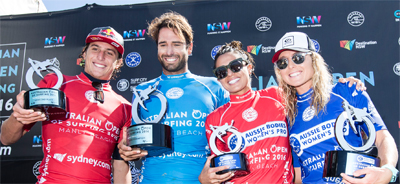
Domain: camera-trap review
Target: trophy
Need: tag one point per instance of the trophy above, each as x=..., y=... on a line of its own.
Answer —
x=234, y=159
x=51, y=101
x=351, y=158
x=152, y=136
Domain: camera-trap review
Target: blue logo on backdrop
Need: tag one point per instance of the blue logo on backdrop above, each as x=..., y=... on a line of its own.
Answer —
x=133, y=59
x=397, y=13
x=214, y=51
x=316, y=45
x=37, y=141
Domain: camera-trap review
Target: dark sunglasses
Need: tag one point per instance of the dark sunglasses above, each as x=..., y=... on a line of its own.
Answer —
x=98, y=94
x=297, y=58
x=235, y=66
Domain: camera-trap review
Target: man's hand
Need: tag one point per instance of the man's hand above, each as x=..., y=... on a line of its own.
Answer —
x=352, y=80
x=128, y=153
x=372, y=175
x=209, y=175
x=26, y=116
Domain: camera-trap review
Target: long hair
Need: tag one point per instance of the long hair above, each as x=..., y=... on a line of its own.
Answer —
x=321, y=85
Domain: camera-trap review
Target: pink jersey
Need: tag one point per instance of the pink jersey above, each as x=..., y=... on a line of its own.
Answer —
x=260, y=119
x=79, y=149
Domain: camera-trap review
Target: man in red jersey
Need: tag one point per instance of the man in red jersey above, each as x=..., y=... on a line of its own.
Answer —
x=78, y=147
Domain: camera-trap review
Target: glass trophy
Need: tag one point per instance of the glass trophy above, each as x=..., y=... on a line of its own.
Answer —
x=234, y=158
x=51, y=101
x=351, y=158
x=152, y=136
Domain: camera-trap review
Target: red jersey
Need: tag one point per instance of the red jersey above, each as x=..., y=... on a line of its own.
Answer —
x=260, y=119
x=79, y=149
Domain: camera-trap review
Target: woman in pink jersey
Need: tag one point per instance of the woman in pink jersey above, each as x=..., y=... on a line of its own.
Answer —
x=259, y=118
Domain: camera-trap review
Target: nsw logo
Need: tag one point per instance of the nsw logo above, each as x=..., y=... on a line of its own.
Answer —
x=133, y=59
x=51, y=42
x=37, y=141
x=219, y=28
x=123, y=85
x=308, y=21
x=134, y=33
x=174, y=93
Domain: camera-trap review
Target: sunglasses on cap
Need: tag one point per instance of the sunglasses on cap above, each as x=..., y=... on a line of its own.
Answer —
x=235, y=66
x=98, y=94
x=297, y=58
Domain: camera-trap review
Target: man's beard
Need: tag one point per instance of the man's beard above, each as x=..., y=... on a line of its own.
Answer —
x=173, y=67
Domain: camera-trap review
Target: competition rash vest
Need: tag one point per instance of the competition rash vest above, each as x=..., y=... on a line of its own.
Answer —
x=79, y=148
x=190, y=99
x=312, y=136
x=260, y=119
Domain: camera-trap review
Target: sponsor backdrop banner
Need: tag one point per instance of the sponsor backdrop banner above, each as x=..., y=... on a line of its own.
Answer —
x=356, y=38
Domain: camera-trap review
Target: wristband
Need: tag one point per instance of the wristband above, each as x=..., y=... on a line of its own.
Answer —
x=394, y=171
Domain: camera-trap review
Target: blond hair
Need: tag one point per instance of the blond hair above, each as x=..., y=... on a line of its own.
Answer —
x=321, y=85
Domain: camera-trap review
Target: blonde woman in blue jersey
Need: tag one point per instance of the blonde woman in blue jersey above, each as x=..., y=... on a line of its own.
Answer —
x=312, y=101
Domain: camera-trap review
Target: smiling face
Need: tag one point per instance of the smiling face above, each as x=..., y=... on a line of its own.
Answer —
x=101, y=59
x=297, y=75
x=236, y=83
x=173, y=52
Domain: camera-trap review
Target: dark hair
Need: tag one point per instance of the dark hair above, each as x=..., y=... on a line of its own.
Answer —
x=173, y=20
x=236, y=48
x=114, y=74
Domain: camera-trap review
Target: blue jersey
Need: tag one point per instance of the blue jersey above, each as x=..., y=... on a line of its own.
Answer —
x=190, y=99
x=312, y=136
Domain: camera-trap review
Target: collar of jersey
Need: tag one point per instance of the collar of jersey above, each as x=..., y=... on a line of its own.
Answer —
x=179, y=76
x=241, y=98
x=305, y=96
x=85, y=79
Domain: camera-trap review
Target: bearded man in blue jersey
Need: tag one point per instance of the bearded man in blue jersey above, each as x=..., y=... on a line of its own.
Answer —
x=190, y=98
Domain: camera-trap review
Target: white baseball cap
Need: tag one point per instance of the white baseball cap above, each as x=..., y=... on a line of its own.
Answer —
x=296, y=41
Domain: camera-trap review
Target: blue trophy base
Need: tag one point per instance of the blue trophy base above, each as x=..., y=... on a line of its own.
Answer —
x=156, y=138
x=236, y=162
x=347, y=162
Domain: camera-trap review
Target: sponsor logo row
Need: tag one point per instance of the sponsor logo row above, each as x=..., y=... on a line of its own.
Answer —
x=263, y=24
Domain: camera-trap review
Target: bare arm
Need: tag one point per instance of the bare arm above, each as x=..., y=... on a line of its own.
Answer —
x=297, y=175
x=12, y=128
x=121, y=172
x=387, y=152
